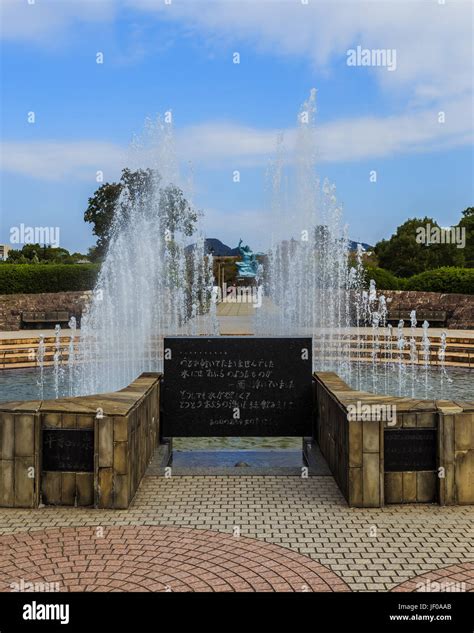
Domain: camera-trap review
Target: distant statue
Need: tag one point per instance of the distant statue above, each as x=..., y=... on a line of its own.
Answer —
x=249, y=266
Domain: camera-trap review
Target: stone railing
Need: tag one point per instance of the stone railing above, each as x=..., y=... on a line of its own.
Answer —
x=124, y=428
x=355, y=449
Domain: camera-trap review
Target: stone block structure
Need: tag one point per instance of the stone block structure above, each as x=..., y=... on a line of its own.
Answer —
x=354, y=449
x=125, y=427
x=459, y=308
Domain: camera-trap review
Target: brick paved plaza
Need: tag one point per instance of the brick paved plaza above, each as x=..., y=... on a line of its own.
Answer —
x=238, y=533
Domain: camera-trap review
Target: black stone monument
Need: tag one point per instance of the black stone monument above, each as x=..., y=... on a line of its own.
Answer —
x=237, y=386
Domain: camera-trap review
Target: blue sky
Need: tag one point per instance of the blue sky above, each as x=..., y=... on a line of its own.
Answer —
x=179, y=56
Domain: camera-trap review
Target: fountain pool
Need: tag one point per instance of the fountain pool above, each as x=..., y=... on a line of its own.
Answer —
x=157, y=280
x=24, y=384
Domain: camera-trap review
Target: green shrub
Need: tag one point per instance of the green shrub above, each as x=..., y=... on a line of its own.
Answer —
x=447, y=279
x=36, y=278
x=384, y=279
x=402, y=283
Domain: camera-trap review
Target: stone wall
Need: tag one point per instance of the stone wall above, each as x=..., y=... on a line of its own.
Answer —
x=126, y=443
x=12, y=306
x=354, y=450
x=459, y=308
x=126, y=432
x=19, y=458
x=456, y=440
x=331, y=432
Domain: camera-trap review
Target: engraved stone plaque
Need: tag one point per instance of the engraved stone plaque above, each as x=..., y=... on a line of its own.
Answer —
x=237, y=386
x=410, y=449
x=68, y=450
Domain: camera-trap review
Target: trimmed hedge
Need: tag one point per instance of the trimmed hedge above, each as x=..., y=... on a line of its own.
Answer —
x=37, y=278
x=447, y=279
x=384, y=279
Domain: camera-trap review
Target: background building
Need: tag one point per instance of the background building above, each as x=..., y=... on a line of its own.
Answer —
x=4, y=250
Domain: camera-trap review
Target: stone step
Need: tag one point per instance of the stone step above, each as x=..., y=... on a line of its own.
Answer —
x=32, y=341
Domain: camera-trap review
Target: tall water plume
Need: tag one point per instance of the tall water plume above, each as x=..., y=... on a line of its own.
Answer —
x=152, y=282
x=307, y=275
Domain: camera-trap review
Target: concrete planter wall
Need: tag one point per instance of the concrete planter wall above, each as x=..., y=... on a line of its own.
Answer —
x=355, y=449
x=126, y=432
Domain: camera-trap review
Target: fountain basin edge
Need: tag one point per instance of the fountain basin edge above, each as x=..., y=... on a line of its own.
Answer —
x=125, y=427
x=355, y=449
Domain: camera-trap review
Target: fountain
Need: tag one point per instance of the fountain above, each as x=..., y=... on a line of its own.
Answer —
x=40, y=359
x=71, y=359
x=149, y=284
x=311, y=289
x=58, y=369
x=154, y=283
x=308, y=275
x=426, y=346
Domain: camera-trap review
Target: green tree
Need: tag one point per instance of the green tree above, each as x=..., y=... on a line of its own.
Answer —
x=100, y=212
x=467, y=222
x=37, y=253
x=135, y=189
x=404, y=255
x=14, y=256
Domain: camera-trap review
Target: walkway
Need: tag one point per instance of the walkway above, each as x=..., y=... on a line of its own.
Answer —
x=158, y=559
x=238, y=533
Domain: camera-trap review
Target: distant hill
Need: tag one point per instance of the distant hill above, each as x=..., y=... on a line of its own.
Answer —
x=353, y=246
x=219, y=249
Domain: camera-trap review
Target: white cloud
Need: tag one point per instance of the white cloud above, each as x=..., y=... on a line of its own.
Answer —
x=214, y=145
x=56, y=160
x=338, y=141
x=433, y=41
x=44, y=21
x=374, y=137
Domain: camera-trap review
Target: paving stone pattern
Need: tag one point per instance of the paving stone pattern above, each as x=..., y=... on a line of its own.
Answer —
x=307, y=519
